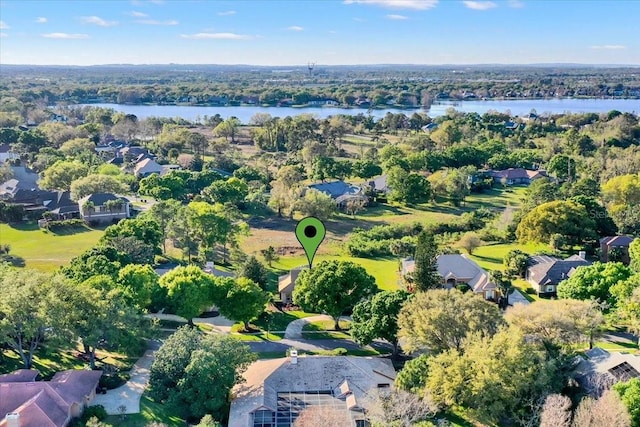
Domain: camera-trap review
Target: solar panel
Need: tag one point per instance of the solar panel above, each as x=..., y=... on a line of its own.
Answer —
x=624, y=372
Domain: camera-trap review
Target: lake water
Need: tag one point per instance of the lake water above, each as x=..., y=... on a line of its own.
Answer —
x=517, y=107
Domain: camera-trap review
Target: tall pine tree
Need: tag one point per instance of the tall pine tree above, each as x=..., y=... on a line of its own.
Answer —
x=426, y=275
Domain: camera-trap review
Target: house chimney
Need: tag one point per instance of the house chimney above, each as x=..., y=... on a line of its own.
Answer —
x=294, y=357
x=13, y=419
x=582, y=254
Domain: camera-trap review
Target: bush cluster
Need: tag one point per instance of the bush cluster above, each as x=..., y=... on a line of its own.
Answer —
x=64, y=224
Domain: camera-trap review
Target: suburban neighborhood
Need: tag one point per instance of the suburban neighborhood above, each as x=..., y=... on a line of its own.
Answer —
x=207, y=219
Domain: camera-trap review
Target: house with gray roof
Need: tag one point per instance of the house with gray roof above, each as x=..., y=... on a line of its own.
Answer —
x=145, y=167
x=545, y=273
x=276, y=391
x=341, y=192
x=599, y=367
x=104, y=207
x=25, y=402
x=457, y=269
x=516, y=176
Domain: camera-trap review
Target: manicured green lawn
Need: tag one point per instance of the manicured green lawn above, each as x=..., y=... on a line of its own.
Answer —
x=323, y=329
x=490, y=256
x=150, y=411
x=45, y=250
x=385, y=270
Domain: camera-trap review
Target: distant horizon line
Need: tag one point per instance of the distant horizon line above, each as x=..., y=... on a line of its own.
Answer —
x=316, y=65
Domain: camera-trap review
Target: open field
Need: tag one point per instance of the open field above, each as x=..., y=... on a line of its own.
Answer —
x=150, y=411
x=45, y=250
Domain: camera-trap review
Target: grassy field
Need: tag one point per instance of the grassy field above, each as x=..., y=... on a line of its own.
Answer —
x=45, y=250
x=385, y=270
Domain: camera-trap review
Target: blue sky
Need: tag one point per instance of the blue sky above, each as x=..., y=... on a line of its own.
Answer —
x=295, y=32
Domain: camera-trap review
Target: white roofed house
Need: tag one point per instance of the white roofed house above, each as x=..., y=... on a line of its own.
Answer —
x=341, y=192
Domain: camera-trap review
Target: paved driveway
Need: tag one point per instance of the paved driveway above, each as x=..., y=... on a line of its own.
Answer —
x=129, y=394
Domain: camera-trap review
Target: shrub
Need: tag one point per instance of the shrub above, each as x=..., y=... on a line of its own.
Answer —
x=97, y=411
x=111, y=381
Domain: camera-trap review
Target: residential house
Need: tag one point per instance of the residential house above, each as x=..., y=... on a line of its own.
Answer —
x=25, y=402
x=379, y=186
x=429, y=127
x=287, y=283
x=510, y=125
x=516, y=176
x=104, y=207
x=458, y=269
x=341, y=192
x=545, y=273
x=6, y=154
x=615, y=243
x=275, y=391
x=615, y=367
x=60, y=205
x=146, y=167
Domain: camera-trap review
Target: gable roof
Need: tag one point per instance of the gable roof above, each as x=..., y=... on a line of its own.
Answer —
x=337, y=188
x=266, y=378
x=617, y=241
x=99, y=199
x=19, y=376
x=552, y=271
x=287, y=282
x=460, y=267
x=147, y=165
x=46, y=403
x=379, y=183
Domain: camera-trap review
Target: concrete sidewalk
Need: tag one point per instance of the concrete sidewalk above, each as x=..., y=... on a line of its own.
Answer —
x=129, y=394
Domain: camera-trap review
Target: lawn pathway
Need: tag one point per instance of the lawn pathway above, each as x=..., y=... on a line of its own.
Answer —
x=128, y=395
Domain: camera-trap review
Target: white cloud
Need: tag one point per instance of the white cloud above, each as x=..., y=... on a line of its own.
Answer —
x=359, y=19
x=217, y=36
x=609, y=47
x=517, y=4
x=4, y=35
x=137, y=14
x=4, y=26
x=65, y=36
x=479, y=5
x=332, y=32
x=155, y=22
x=96, y=20
x=227, y=13
x=295, y=28
x=397, y=17
x=398, y=4
x=41, y=20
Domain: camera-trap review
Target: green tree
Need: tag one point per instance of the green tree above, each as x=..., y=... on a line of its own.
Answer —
x=378, y=318
x=61, y=174
x=228, y=129
x=97, y=183
x=622, y=195
x=470, y=242
x=566, y=218
x=103, y=318
x=270, y=255
x=594, y=281
x=190, y=291
x=316, y=203
x=144, y=229
x=481, y=376
x=213, y=370
x=171, y=360
x=425, y=275
x=634, y=255
x=253, y=269
x=558, y=323
x=244, y=301
x=140, y=284
x=562, y=167
x=232, y=191
x=516, y=262
x=162, y=213
x=629, y=392
x=439, y=319
x=407, y=187
x=34, y=307
x=413, y=376
x=333, y=287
